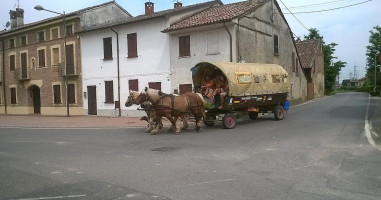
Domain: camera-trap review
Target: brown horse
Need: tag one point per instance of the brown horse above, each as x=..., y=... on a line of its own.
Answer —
x=172, y=107
x=151, y=116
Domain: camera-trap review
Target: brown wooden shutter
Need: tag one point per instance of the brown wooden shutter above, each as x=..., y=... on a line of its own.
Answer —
x=107, y=48
x=293, y=61
x=184, y=46
x=55, y=33
x=41, y=58
x=12, y=64
x=155, y=85
x=71, y=93
x=13, y=96
x=24, y=66
x=56, y=56
x=132, y=45
x=70, y=58
x=133, y=84
x=185, y=88
x=109, y=92
x=57, y=94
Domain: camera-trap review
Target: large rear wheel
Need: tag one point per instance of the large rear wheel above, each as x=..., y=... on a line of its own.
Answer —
x=229, y=121
x=279, y=113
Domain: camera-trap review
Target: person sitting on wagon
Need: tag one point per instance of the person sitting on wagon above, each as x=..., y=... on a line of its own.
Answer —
x=208, y=87
x=222, y=89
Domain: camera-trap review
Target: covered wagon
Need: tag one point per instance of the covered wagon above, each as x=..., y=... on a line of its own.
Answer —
x=251, y=88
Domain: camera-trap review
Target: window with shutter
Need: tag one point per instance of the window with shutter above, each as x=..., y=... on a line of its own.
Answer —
x=71, y=93
x=41, y=36
x=13, y=96
x=155, y=85
x=276, y=45
x=55, y=56
x=132, y=45
x=109, y=92
x=41, y=58
x=12, y=62
x=11, y=43
x=297, y=67
x=293, y=61
x=107, y=48
x=24, y=66
x=69, y=29
x=133, y=84
x=184, y=46
x=57, y=94
x=70, y=59
x=23, y=40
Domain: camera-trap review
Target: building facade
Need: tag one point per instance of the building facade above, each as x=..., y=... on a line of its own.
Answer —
x=40, y=75
x=129, y=55
x=250, y=31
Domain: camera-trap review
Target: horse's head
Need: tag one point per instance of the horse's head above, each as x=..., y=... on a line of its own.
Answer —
x=131, y=100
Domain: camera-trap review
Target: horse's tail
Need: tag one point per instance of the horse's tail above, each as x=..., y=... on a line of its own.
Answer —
x=204, y=105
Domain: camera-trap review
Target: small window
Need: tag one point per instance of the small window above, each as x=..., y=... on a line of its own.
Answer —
x=109, y=92
x=184, y=46
x=155, y=85
x=132, y=45
x=24, y=65
x=55, y=56
x=41, y=58
x=71, y=93
x=12, y=62
x=243, y=78
x=297, y=67
x=276, y=45
x=57, y=94
x=257, y=79
x=54, y=33
x=69, y=29
x=276, y=78
x=107, y=48
x=11, y=43
x=293, y=61
x=13, y=96
x=23, y=40
x=133, y=84
x=41, y=36
x=185, y=88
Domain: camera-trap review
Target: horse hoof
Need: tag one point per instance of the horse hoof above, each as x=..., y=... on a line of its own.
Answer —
x=153, y=133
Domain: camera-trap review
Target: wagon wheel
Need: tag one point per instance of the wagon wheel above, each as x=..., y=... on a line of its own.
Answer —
x=229, y=121
x=210, y=119
x=279, y=113
x=253, y=115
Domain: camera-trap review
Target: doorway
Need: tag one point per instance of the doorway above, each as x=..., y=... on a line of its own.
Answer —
x=92, y=100
x=35, y=95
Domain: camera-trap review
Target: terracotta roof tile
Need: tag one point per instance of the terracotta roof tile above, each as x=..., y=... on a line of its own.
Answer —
x=307, y=50
x=215, y=14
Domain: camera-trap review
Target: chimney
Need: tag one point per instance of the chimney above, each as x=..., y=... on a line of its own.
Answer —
x=149, y=8
x=177, y=5
x=13, y=18
x=20, y=16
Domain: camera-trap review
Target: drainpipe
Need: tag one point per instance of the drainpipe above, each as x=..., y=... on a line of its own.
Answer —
x=231, y=43
x=4, y=90
x=117, y=60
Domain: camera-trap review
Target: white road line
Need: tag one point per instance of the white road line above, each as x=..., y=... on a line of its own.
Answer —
x=58, y=197
x=367, y=126
x=216, y=181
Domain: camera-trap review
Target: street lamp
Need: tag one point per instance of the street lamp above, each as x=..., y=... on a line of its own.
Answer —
x=39, y=8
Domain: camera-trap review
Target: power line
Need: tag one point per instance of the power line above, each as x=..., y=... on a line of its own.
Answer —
x=320, y=4
x=326, y=9
x=294, y=15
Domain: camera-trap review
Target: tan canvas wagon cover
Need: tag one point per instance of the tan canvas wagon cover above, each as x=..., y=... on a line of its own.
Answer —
x=246, y=78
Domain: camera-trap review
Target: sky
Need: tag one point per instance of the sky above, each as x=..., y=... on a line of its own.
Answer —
x=348, y=27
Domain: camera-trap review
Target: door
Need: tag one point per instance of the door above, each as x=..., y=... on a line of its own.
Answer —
x=36, y=100
x=92, y=100
x=310, y=91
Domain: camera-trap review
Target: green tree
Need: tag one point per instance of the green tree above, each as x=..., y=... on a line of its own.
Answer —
x=331, y=69
x=372, y=53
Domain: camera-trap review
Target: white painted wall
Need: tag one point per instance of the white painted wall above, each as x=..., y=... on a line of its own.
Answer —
x=180, y=66
x=151, y=65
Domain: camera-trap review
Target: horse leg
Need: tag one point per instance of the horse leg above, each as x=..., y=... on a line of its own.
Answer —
x=185, y=123
x=173, y=128
x=172, y=120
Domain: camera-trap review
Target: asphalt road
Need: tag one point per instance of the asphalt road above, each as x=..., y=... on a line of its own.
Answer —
x=320, y=151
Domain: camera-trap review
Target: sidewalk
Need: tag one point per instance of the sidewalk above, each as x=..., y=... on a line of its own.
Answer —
x=37, y=121
x=375, y=121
